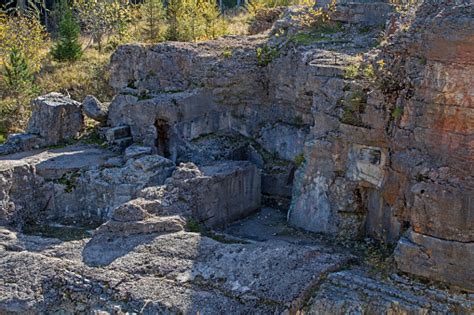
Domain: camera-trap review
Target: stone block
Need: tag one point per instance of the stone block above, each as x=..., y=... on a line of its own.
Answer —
x=442, y=211
x=437, y=259
x=228, y=191
x=116, y=133
x=55, y=118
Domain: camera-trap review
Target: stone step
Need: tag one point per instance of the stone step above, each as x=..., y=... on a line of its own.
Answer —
x=115, y=133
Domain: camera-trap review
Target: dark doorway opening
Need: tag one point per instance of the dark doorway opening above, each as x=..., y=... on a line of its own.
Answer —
x=162, y=142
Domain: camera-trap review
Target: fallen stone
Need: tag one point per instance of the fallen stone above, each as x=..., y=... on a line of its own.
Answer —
x=94, y=109
x=219, y=193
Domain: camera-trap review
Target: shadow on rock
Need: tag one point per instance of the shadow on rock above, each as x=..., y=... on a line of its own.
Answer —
x=103, y=249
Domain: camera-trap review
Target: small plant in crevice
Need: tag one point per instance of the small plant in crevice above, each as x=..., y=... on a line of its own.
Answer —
x=227, y=53
x=69, y=180
x=299, y=160
x=353, y=107
x=397, y=112
x=351, y=71
x=266, y=54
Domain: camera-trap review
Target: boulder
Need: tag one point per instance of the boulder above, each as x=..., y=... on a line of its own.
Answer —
x=94, y=109
x=56, y=118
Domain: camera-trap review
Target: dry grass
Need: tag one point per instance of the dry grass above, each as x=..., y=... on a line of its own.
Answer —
x=89, y=75
x=238, y=21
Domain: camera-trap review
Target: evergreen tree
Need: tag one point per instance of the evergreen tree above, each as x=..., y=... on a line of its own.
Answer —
x=174, y=12
x=17, y=73
x=154, y=14
x=68, y=46
x=213, y=25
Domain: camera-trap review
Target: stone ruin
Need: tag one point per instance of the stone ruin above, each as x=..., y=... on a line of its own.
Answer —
x=197, y=140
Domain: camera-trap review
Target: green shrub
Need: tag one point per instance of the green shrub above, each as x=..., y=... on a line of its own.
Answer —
x=227, y=53
x=68, y=47
x=353, y=108
x=266, y=54
x=368, y=72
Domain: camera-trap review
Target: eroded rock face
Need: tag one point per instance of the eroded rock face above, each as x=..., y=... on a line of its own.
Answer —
x=402, y=161
x=24, y=196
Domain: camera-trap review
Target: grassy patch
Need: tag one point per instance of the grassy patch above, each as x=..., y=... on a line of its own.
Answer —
x=305, y=39
x=87, y=76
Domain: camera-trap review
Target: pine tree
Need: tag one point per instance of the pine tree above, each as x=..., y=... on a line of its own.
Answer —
x=17, y=73
x=174, y=12
x=154, y=15
x=68, y=46
x=213, y=25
